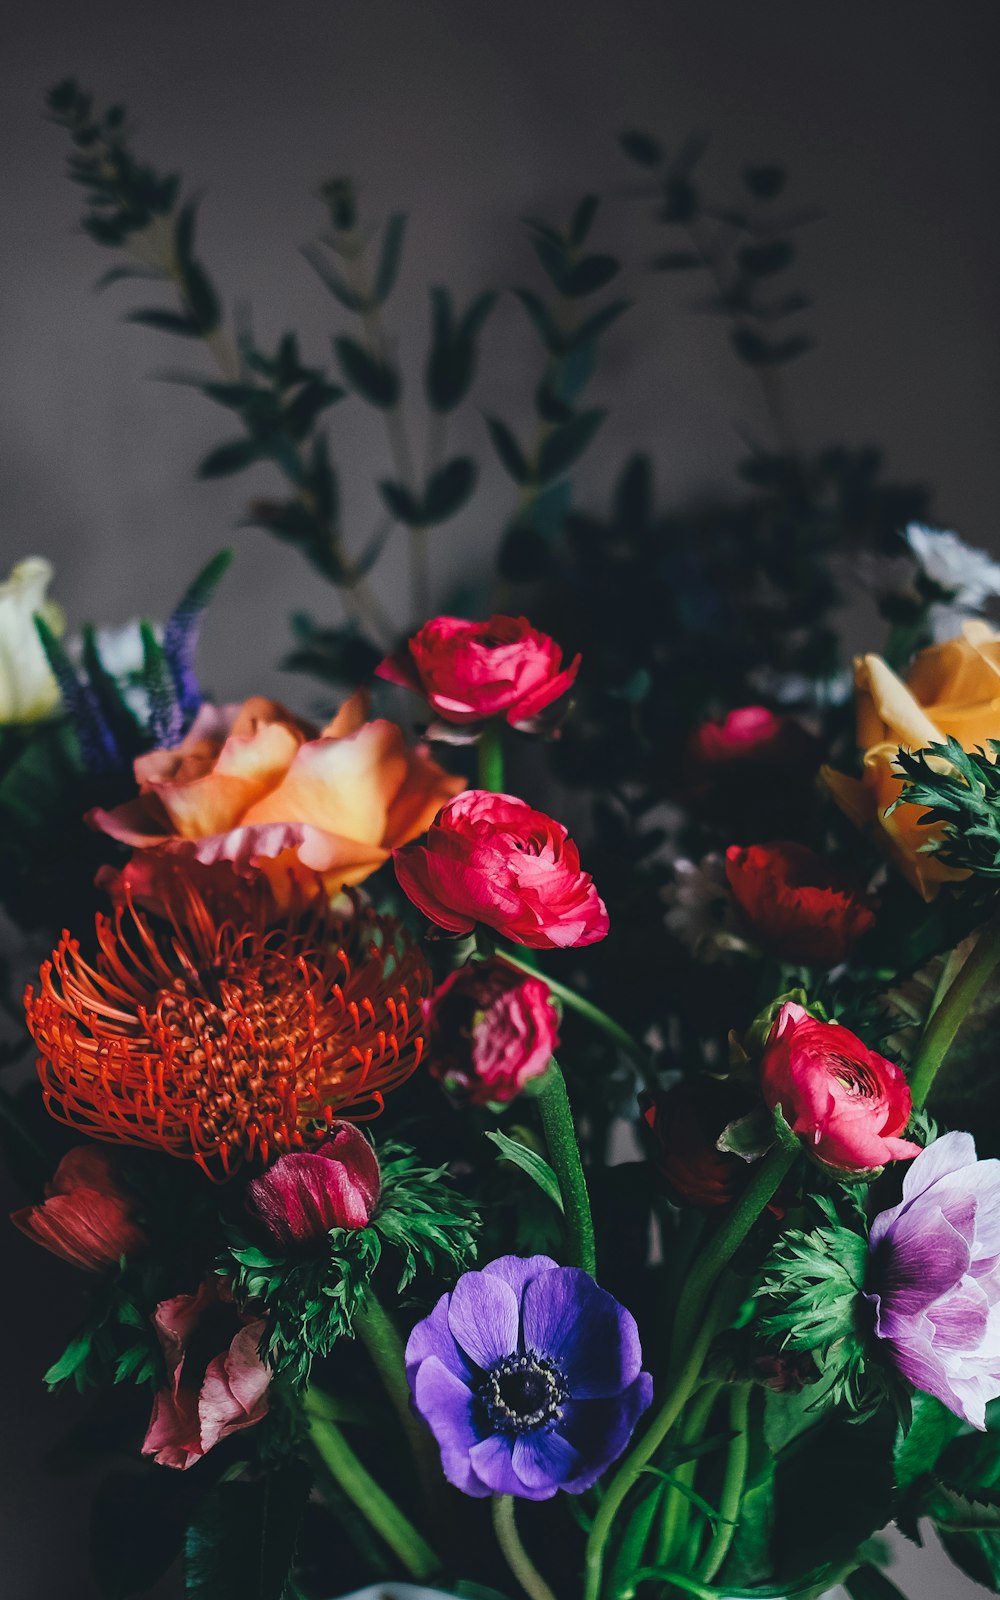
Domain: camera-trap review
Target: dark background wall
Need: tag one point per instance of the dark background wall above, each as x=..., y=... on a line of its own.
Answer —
x=469, y=116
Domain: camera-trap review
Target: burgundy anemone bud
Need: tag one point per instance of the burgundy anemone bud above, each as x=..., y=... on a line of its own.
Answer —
x=491, y=1029
x=685, y=1122
x=307, y=1193
x=88, y=1216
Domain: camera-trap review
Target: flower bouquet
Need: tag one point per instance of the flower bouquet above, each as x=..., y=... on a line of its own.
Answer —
x=442, y=1212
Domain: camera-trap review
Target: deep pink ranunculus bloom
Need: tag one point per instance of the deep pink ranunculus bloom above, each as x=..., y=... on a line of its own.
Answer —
x=205, y=1400
x=490, y=1030
x=308, y=1192
x=88, y=1215
x=848, y=1104
x=469, y=671
x=489, y=858
x=934, y=1281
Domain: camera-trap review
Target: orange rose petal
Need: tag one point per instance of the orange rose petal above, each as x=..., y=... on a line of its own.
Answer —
x=426, y=788
x=342, y=786
x=247, y=767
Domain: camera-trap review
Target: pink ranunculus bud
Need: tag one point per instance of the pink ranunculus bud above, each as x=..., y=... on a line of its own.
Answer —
x=490, y=1030
x=470, y=671
x=206, y=1398
x=848, y=1105
x=305, y=1194
x=88, y=1216
x=489, y=858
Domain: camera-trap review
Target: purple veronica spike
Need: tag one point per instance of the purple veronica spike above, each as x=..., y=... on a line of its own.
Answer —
x=529, y=1377
x=935, y=1280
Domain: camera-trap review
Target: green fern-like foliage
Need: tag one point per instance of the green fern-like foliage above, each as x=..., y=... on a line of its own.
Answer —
x=961, y=792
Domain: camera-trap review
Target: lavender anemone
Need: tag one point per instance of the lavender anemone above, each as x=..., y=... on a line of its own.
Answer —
x=935, y=1276
x=529, y=1377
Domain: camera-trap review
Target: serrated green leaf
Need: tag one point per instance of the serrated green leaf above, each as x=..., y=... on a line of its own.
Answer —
x=533, y=1165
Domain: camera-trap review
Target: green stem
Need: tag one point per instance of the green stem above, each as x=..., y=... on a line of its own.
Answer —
x=585, y=1008
x=946, y=1019
x=694, y=1330
x=733, y=1482
x=677, y=1508
x=377, y=1333
x=564, y=1152
x=515, y=1555
x=368, y=1496
x=489, y=756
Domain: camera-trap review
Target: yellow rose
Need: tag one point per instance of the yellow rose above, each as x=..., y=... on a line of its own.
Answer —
x=28, y=691
x=951, y=689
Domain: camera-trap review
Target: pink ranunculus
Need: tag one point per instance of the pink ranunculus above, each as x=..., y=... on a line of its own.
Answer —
x=469, y=671
x=88, y=1216
x=848, y=1104
x=305, y=1194
x=204, y=1400
x=489, y=858
x=751, y=733
x=490, y=1030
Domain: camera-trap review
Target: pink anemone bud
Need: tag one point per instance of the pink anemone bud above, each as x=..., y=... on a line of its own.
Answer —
x=305, y=1194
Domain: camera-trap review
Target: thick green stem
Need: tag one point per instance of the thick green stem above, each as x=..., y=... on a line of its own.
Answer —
x=564, y=1153
x=585, y=1008
x=489, y=756
x=369, y=1497
x=677, y=1507
x=947, y=1017
x=733, y=1483
x=694, y=1329
x=377, y=1333
x=515, y=1555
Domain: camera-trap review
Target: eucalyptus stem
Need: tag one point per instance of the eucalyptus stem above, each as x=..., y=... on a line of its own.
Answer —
x=489, y=758
x=515, y=1555
x=585, y=1008
x=369, y=1497
x=564, y=1152
x=377, y=1332
x=945, y=1020
x=697, y=1321
x=733, y=1483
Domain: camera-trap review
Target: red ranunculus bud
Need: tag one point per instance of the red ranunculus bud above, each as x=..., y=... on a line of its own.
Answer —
x=88, y=1216
x=798, y=905
x=847, y=1104
x=490, y=858
x=305, y=1194
x=470, y=671
x=490, y=1030
x=685, y=1121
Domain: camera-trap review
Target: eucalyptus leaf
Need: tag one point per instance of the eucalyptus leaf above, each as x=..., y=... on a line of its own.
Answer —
x=372, y=379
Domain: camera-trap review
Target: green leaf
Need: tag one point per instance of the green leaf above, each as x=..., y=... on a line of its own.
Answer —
x=592, y=273
x=451, y=361
x=868, y=1583
x=917, y=1450
x=762, y=260
x=582, y=219
x=551, y=252
x=242, y=1543
x=201, y=297
x=389, y=260
x=369, y=377
x=641, y=148
x=166, y=322
x=546, y=326
x=402, y=504
x=229, y=458
x=764, y=182
x=536, y=1168
x=338, y=286
x=448, y=489
x=594, y=326
x=121, y=274
x=508, y=449
x=565, y=444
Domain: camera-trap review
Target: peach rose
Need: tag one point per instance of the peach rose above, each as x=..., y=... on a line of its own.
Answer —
x=255, y=786
x=951, y=689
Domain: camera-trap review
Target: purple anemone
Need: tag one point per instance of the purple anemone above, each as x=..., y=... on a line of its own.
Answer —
x=935, y=1276
x=529, y=1377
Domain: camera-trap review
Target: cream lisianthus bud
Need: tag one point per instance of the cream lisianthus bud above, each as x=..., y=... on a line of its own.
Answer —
x=28, y=691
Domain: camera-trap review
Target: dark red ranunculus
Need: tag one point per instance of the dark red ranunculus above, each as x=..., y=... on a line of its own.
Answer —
x=88, y=1215
x=686, y=1121
x=489, y=858
x=797, y=904
x=308, y=1192
x=470, y=671
x=848, y=1104
x=490, y=1030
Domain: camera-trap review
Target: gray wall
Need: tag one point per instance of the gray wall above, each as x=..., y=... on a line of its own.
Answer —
x=468, y=115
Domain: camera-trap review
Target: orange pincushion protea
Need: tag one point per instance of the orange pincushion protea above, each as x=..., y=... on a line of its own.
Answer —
x=230, y=1041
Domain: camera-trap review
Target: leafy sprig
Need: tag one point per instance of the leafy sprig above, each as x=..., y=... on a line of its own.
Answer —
x=960, y=790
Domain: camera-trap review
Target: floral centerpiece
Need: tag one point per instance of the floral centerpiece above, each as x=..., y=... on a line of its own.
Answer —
x=390, y=1291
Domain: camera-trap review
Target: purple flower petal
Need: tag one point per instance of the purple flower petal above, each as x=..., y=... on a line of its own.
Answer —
x=583, y=1328
x=544, y=1460
x=484, y=1317
x=519, y=1271
x=450, y=1409
x=599, y=1430
x=491, y=1462
x=432, y=1337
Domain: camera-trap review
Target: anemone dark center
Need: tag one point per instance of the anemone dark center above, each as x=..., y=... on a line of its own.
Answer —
x=523, y=1392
